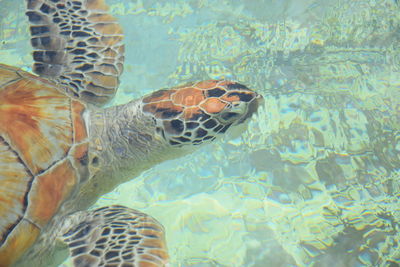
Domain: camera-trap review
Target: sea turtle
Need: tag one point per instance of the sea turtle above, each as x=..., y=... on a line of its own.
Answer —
x=60, y=151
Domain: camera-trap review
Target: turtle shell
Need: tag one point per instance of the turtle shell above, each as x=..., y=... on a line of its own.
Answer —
x=43, y=156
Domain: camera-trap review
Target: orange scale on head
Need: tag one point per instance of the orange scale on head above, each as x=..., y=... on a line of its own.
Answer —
x=232, y=98
x=213, y=105
x=150, y=108
x=225, y=83
x=206, y=84
x=163, y=109
x=159, y=96
x=191, y=112
x=188, y=96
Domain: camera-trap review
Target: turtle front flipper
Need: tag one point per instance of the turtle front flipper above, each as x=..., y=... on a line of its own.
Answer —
x=77, y=44
x=116, y=236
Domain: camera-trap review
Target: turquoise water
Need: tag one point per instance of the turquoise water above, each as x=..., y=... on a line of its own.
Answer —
x=315, y=181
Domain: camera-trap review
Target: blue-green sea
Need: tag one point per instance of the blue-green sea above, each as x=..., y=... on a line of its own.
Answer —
x=315, y=180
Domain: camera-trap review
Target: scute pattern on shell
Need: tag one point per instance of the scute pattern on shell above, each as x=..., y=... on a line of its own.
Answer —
x=42, y=141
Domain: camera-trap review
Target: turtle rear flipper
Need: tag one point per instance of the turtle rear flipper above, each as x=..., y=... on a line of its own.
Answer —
x=78, y=44
x=116, y=236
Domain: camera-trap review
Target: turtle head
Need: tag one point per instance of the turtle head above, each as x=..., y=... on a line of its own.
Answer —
x=198, y=113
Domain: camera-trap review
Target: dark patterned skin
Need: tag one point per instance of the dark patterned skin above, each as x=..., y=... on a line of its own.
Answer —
x=197, y=112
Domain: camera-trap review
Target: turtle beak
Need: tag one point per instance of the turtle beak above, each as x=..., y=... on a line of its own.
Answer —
x=249, y=109
x=252, y=107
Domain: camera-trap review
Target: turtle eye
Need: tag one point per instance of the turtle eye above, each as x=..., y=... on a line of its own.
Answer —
x=229, y=116
x=233, y=112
